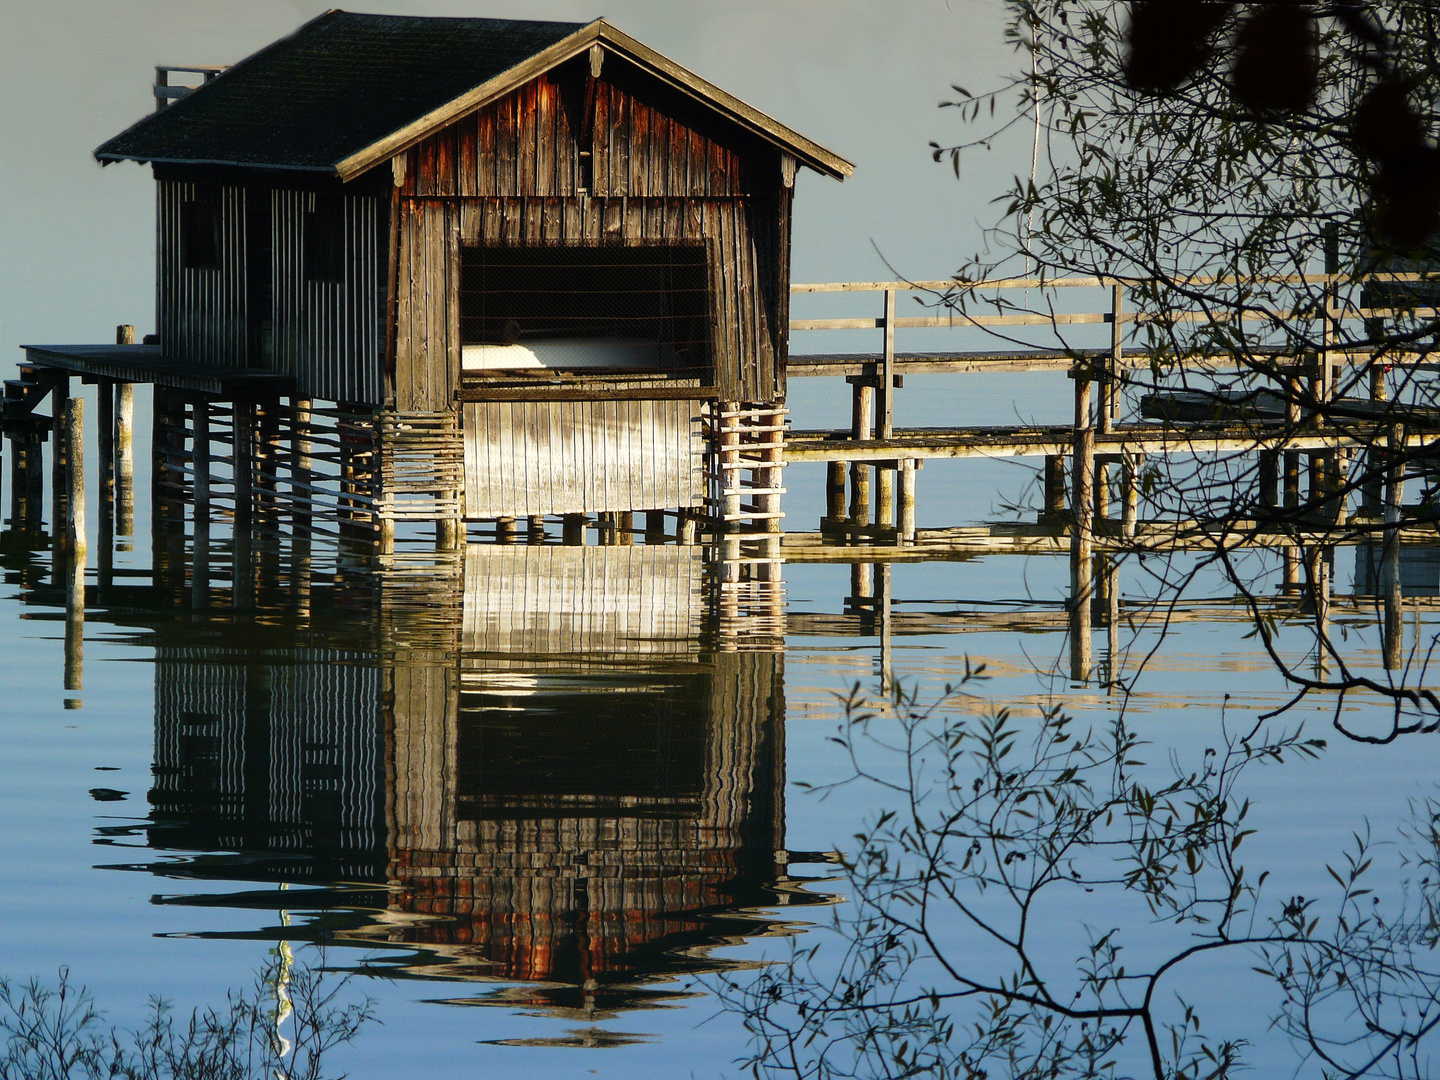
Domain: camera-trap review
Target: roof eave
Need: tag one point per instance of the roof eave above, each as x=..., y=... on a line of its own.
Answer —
x=106, y=159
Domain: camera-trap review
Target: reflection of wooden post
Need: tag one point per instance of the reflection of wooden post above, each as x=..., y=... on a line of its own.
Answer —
x=625, y=528
x=1292, y=479
x=1394, y=631
x=907, y=500
x=242, y=582
x=200, y=562
x=1111, y=569
x=654, y=526
x=124, y=459
x=862, y=587
x=506, y=531
x=105, y=451
x=1107, y=406
x=573, y=530
x=1082, y=472
x=882, y=618
x=1101, y=491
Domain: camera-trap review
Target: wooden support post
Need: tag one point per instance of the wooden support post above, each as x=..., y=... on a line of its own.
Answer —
x=124, y=334
x=689, y=528
x=834, y=493
x=124, y=459
x=771, y=472
x=1372, y=497
x=882, y=626
x=1394, y=628
x=1291, y=572
x=906, y=497
x=74, y=525
x=1130, y=507
x=573, y=530
x=1111, y=574
x=625, y=528
x=535, y=528
x=861, y=429
x=728, y=452
x=1100, y=493
x=1081, y=570
x=1292, y=480
x=885, y=403
x=654, y=526
x=506, y=530
x=59, y=453
x=1269, y=479
x=1108, y=406
x=302, y=468
x=105, y=450
x=885, y=496
x=71, y=535
x=243, y=468
x=1056, y=497
x=1339, y=483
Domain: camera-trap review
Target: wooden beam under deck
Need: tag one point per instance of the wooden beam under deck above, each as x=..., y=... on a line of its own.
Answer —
x=145, y=364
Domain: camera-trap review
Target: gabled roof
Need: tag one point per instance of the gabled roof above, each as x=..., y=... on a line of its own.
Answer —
x=346, y=92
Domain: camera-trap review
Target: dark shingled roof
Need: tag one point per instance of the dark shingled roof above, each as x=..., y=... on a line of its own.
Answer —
x=336, y=86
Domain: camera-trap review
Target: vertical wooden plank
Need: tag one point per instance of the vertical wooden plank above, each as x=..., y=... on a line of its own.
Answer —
x=641, y=115
x=467, y=172
x=620, y=115
x=545, y=109
x=507, y=120
x=528, y=149
x=600, y=140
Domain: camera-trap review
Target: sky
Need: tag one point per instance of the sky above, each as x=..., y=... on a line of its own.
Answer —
x=861, y=77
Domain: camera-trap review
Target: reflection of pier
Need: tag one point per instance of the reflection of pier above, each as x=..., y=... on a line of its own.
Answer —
x=564, y=784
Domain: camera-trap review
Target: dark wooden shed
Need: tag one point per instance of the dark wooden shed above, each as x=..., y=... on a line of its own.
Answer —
x=557, y=244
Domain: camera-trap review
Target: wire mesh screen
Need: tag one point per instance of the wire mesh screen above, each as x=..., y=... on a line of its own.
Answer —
x=634, y=306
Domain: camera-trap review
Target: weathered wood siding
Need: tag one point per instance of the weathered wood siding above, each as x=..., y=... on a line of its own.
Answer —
x=662, y=170
x=572, y=457
x=201, y=313
x=545, y=600
x=329, y=336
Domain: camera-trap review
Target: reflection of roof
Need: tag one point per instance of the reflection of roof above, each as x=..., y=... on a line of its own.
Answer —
x=347, y=91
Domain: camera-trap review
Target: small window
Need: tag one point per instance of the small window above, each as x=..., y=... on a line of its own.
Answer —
x=325, y=242
x=200, y=234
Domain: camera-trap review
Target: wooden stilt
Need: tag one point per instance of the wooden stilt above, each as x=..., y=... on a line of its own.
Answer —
x=535, y=528
x=73, y=531
x=689, y=528
x=906, y=497
x=834, y=492
x=302, y=467
x=1269, y=479
x=1056, y=498
x=1100, y=492
x=1372, y=500
x=1082, y=472
x=200, y=456
x=1130, y=508
x=1394, y=629
x=862, y=588
x=862, y=428
x=885, y=496
x=59, y=454
x=573, y=530
x=654, y=526
x=1292, y=480
x=124, y=459
x=506, y=531
x=771, y=474
x=625, y=528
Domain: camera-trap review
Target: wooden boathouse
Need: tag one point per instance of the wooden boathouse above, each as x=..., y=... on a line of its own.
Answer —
x=537, y=269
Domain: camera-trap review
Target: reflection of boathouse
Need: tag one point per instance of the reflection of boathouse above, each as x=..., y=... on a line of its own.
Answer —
x=564, y=790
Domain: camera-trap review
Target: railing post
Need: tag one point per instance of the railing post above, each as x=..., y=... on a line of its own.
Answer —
x=1108, y=407
x=1394, y=644
x=1081, y=570
x=862, y=429
x=885, y=403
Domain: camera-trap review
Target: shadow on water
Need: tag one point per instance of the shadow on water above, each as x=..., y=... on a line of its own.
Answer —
x=546, y=769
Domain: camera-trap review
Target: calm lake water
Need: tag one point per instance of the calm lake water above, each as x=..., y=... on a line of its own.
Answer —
x=538, y=820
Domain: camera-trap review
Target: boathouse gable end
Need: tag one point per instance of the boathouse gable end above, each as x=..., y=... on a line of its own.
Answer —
x=547, y=223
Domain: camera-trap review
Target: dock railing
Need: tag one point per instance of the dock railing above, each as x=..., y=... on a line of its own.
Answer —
x=1308, y=370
